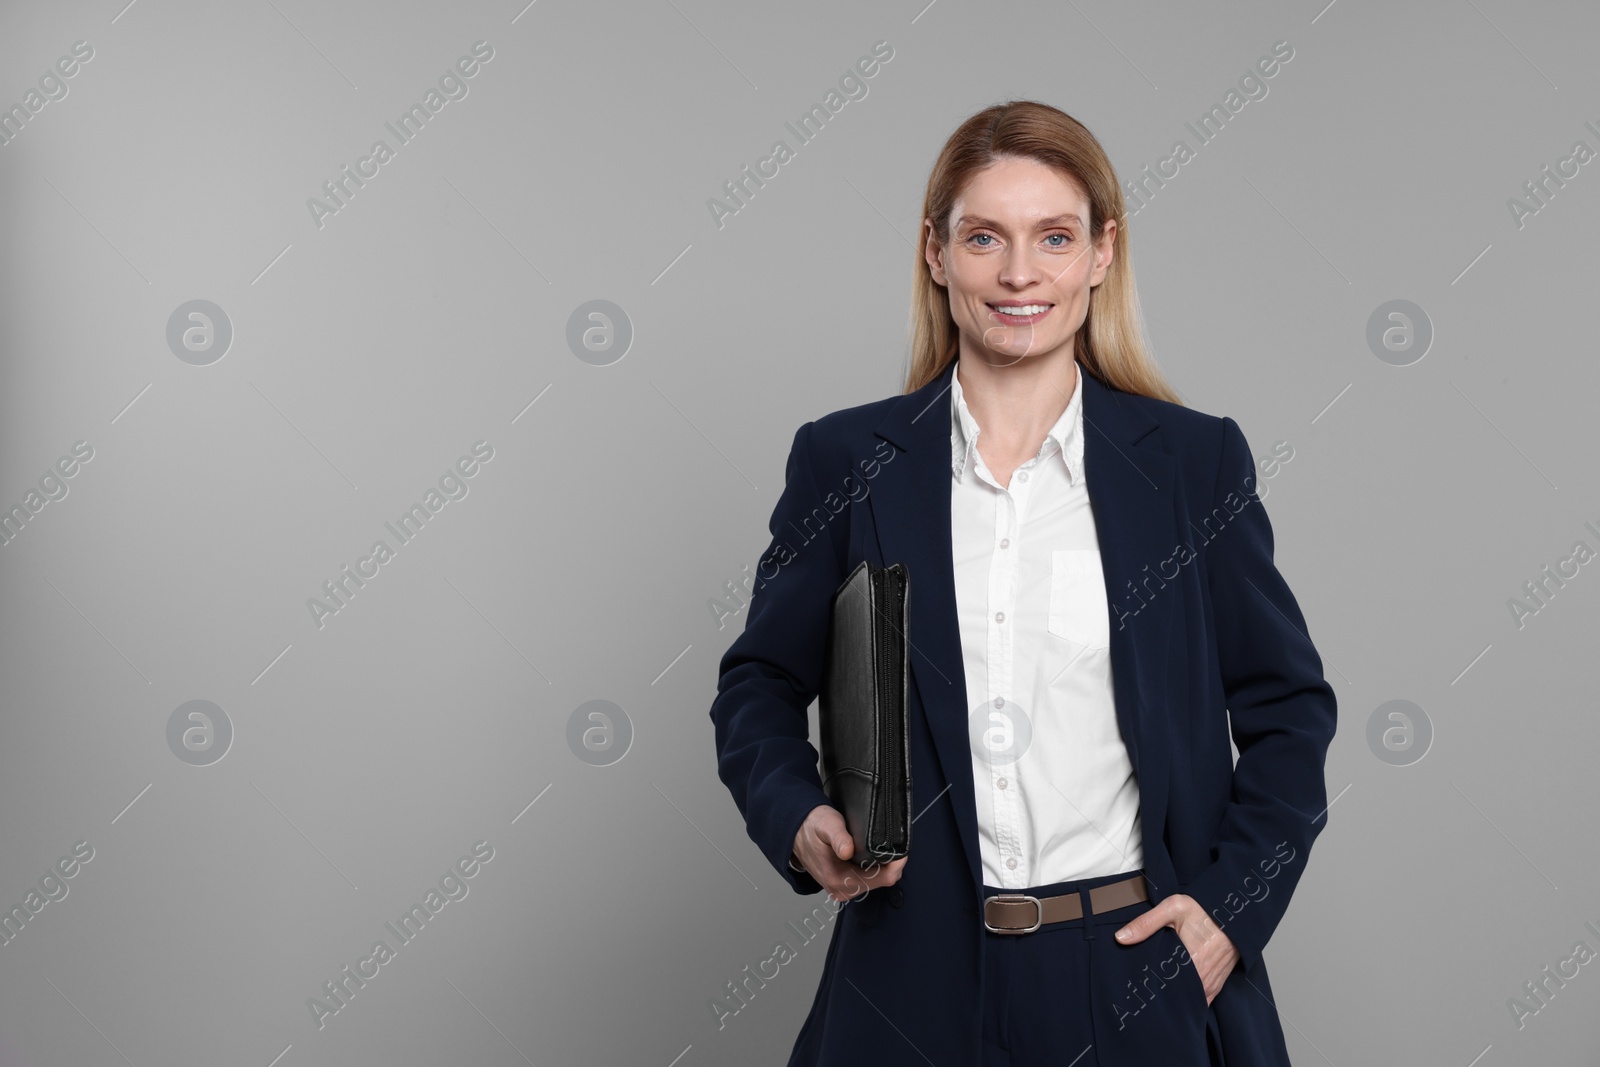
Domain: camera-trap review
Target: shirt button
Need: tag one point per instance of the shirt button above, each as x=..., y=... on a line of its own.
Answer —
x=1001, y=782
x=1012, y=863
x=999, y=702
x=999, y=616
x=1023, y=476
x=1005, y=542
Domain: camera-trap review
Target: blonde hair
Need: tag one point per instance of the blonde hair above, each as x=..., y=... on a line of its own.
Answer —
x=1111, y=344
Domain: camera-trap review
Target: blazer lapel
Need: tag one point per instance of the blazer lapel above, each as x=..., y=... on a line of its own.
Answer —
x=911, y=513
x=1131, y=493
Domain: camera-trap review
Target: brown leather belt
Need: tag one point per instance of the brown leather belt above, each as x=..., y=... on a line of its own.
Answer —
x=1019, y=913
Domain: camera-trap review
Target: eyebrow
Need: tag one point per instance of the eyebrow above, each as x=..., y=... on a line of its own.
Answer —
x=1053, y=220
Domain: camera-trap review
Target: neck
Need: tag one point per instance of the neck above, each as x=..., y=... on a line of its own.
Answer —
x=1016, y=403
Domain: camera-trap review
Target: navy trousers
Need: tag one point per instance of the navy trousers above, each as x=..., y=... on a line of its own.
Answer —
x=1070, y=995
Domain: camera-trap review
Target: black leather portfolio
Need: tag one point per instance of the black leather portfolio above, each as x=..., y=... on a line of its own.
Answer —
x=866, y=746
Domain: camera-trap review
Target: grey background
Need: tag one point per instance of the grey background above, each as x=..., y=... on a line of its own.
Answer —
x=432, y=311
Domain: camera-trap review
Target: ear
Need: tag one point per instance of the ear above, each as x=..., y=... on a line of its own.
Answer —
x=1104, y=252
x=933, y=252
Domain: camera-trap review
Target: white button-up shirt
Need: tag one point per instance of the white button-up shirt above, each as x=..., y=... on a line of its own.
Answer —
x=1056, y=794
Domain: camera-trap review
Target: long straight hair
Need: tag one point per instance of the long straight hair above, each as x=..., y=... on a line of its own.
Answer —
x=1110, y=345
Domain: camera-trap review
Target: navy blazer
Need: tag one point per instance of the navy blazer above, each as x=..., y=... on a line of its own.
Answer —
x=1205, y=635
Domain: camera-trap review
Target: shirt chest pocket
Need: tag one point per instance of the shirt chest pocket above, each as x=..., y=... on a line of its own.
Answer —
x=1078, y=609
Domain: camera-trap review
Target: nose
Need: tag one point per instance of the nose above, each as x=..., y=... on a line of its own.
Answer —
x=1018, y=270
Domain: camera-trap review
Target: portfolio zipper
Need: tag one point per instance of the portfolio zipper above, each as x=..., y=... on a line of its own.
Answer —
x=891, y=673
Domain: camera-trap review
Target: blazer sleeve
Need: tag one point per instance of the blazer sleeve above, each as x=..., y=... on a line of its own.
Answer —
x=1282, y=714
x=772, y=672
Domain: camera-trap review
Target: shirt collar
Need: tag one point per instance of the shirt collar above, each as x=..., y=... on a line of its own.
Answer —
x=1066, y=434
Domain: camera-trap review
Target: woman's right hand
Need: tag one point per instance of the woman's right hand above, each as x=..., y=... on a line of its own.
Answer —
x=824, y=847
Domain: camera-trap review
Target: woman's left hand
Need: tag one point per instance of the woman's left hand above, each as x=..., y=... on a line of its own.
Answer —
x=1212, y=954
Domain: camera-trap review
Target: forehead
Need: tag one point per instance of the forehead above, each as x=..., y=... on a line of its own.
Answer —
x=1021, y=192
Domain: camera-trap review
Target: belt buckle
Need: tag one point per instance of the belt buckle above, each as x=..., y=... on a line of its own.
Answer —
x=1012, y=898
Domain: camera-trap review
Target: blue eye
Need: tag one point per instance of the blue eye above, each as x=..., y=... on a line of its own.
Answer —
x=1064, y=238
x=976, y=236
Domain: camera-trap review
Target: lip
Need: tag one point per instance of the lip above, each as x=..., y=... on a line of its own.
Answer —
x=1020, y=320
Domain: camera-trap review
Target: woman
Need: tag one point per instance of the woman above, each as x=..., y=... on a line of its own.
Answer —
x=1092, y=597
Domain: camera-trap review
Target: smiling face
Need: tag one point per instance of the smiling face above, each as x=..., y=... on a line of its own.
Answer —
x=1020, y=265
